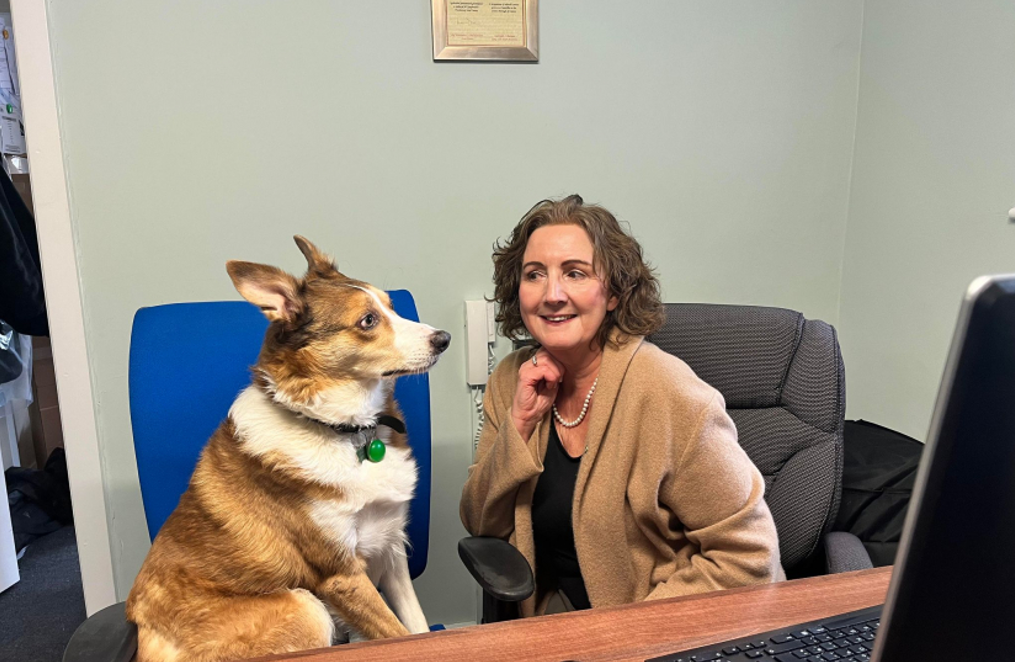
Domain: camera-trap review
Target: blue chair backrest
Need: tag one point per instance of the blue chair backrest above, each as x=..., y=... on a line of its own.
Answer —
x=189, y=361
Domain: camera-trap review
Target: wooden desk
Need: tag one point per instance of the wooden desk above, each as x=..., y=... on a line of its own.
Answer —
x=632, y=632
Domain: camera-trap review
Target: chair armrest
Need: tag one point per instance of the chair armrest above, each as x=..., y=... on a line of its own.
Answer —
x=845, y=553
x=106, y=636
x=498, y=567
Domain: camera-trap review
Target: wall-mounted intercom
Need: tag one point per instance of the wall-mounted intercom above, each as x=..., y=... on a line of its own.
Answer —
x=480, y=333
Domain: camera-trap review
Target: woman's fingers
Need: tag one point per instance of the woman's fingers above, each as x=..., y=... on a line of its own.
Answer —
x=544, y=367
x=548, y=374
x=538, y=381
x=547, y=388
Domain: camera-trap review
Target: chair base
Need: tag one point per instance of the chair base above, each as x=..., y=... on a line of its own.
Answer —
x=495, y=610
x=106, y=636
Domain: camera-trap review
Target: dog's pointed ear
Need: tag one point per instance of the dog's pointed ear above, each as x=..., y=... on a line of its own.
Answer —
x=318, y=263
x=269, y=288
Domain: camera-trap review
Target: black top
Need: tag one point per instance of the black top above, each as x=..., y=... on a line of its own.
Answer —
x=556, y=558
x=22, y=304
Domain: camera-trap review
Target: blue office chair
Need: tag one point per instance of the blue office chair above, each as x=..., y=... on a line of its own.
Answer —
x=188, y=362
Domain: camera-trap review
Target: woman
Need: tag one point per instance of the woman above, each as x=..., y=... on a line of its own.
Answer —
x=607, y=462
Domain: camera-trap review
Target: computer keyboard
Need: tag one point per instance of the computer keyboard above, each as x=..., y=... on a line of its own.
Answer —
x=844, y=638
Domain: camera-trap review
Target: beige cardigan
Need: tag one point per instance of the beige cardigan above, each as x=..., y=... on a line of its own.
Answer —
x=666, y=503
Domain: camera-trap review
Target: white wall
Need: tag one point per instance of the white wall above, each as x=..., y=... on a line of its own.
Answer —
x=933, y=179
x=197, y=132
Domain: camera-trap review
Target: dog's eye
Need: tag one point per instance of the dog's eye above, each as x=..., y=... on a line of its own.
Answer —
x=369, y=321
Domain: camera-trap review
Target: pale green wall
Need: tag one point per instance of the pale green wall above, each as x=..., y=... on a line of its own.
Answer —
x=198, y=131
x=933, y=179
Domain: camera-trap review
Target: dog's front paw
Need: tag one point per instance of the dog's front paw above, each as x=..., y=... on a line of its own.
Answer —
x=416, y=624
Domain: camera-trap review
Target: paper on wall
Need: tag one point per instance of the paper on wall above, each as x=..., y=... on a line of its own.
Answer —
x=12, y=135
x=12, y=131
x=8, y=60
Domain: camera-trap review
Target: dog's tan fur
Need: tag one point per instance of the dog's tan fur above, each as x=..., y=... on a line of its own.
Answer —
x=273, y=539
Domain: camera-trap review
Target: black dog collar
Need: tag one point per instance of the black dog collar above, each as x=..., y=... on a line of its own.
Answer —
x=374, y=450
x=388, y=421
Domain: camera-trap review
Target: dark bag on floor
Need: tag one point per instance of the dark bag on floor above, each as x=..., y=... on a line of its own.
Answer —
x=39, y=500
x=878, y=474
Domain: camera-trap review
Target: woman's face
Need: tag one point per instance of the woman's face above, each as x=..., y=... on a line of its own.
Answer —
x=563, y=302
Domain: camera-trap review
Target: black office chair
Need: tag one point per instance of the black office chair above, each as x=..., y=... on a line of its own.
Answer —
x=783, y=380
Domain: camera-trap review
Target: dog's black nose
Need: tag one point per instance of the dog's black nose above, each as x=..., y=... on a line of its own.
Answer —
x=440, y=340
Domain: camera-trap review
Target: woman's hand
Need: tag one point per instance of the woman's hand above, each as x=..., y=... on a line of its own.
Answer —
x=536, y=392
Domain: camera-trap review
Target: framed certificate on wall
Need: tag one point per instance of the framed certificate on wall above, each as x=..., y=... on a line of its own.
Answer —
x=498, y=30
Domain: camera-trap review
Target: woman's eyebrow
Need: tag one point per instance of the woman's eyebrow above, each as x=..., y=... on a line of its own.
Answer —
x=566, y=263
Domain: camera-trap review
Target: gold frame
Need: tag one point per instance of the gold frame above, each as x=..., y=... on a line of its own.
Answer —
x=527, y=53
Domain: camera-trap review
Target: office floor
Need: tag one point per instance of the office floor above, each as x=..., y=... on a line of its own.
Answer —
x=38, y=615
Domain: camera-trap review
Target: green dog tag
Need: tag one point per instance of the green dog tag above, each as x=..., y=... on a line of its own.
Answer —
x=376, y=450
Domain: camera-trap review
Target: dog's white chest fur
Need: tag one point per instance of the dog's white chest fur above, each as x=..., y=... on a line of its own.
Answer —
x=370, y=517
x=369, y=514
x=375, y=530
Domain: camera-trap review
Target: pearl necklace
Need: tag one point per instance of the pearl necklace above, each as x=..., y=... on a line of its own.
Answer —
x=581, y=416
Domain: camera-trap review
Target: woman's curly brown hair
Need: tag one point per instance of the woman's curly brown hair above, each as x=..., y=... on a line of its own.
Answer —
x=619, y=263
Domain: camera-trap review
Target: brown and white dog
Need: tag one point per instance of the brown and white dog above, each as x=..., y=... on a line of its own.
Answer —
x=287, y=531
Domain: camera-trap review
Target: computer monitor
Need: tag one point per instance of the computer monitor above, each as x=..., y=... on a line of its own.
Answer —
x=952, y=594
